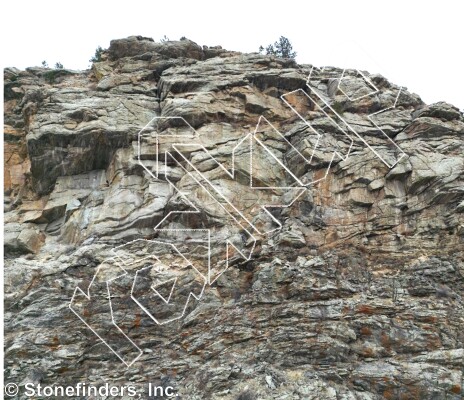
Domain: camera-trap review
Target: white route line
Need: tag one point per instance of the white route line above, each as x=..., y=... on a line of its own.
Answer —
x=153, y=287
x=350, y=128
x=89, y=297
x=366, y=79
x=191, y=294
x=230, y=209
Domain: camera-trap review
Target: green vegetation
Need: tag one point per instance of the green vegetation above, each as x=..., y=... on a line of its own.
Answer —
x=281, y=48
x=50, y=76
x=97, y=57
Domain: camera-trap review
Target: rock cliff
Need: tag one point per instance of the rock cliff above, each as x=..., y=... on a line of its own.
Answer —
x=309, y=228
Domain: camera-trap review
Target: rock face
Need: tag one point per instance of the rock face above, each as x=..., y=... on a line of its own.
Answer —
x=349, y=285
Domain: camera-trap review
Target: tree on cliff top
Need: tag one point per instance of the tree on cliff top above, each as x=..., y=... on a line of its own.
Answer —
x=281, y=48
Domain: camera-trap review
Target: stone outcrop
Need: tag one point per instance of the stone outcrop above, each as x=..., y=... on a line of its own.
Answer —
x=357, y=294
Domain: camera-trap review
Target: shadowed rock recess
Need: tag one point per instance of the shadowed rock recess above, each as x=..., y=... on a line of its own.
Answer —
x=359, y=293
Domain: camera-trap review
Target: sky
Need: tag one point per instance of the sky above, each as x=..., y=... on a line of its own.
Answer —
x=417, y=44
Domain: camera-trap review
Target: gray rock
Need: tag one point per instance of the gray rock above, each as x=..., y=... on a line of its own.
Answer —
x=349, y=289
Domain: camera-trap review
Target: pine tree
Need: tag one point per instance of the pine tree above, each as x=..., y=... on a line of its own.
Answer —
x=281, y=48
